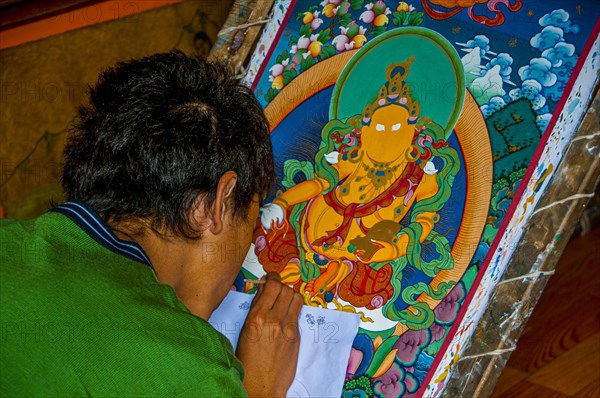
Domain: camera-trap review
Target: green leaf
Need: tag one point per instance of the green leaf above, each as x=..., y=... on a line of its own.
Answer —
x=293, y=167
x=307, y=63
x=282, y=57
x=270, y=94
x=356, y=4
x=398, y=17
x=305, y=30
x=327, y=51
x=293, y=40
x=324, y=36
x=379, y=30
x=309, y=271
x=289, y=75
x=345, y=20
x=382, y=351
x=300, y=53
x=419, y=18
x=410, y=19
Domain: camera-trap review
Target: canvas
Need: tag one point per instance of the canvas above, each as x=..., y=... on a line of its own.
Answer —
x=412, y=142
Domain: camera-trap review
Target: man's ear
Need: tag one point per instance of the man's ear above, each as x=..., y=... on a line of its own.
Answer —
x=223, y=195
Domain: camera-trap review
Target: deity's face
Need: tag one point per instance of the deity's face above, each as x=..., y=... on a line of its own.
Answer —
x=389, y=135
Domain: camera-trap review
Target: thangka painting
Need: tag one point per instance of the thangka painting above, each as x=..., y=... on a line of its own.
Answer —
x=412, y=142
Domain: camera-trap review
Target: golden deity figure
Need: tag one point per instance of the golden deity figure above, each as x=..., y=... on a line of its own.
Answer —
x=379, y=167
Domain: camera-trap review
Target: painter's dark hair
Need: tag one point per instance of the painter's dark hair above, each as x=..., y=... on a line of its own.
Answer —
x=159, y=132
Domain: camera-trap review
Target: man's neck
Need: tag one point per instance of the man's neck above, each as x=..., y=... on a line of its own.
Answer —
x=178, y=263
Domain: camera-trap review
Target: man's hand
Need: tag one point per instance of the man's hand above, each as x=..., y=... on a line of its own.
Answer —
x=270, y=339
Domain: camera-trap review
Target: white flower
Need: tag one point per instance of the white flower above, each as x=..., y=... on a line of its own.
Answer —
x=333, y=157
x=430, y=168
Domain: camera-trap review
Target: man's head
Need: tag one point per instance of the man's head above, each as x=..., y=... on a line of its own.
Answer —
x=158, y=135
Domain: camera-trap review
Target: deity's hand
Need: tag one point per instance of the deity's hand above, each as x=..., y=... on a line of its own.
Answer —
x=271, y=215
x=386, y=251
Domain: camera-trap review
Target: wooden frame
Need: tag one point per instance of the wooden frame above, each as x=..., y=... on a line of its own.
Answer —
x=18, y=12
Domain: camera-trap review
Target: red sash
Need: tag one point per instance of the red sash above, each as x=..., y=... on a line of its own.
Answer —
x=411, y=177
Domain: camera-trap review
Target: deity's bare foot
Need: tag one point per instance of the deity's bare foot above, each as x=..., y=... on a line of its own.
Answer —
x=326, y=281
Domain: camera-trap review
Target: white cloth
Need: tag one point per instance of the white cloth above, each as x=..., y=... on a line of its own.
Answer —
x=326, y=338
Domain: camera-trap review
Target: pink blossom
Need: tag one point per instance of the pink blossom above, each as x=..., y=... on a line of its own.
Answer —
x=377, y=301
x=367, y=16
x=277, y=69
x=340, y=42
x=302, y=44
x=316, y=22
x=356, y=357
x=334, y=2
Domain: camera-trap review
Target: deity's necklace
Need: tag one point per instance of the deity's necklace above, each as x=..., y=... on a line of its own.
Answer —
x=380, y=173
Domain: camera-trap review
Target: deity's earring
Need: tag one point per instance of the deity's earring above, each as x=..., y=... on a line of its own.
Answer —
x=412, y=153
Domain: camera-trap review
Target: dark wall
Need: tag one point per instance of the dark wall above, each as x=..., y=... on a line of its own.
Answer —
x=43, y=82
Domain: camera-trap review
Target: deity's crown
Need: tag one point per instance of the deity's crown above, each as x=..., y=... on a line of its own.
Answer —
x=395, y=91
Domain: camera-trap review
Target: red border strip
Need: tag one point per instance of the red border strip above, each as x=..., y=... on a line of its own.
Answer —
x=267, y=58
x=508, y=217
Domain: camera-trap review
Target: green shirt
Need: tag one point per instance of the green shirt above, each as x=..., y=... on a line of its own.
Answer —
x=82, y=313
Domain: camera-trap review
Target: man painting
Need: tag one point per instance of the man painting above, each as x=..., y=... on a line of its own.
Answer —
x=110, y=292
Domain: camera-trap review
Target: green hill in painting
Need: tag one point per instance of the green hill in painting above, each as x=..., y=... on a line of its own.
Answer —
x=514, y=135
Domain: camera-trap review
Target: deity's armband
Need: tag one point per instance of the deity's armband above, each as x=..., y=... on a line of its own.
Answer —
x=427, y=219
x=281, y=203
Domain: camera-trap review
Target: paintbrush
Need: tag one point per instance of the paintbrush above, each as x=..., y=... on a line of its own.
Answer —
x=255, y=281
